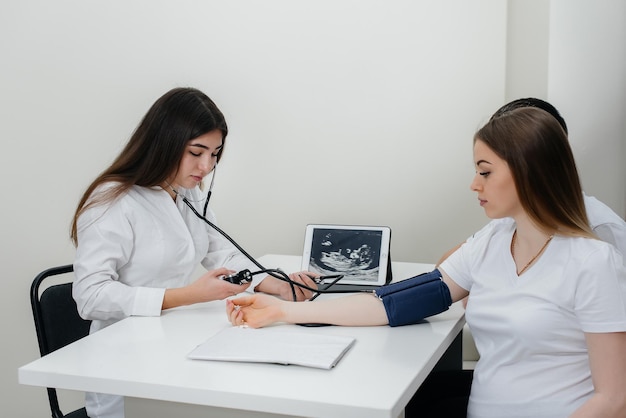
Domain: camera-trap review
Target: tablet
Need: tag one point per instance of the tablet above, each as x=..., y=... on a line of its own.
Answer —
x=359, y=253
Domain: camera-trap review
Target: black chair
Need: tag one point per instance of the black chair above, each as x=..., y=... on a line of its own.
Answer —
x=57, y=323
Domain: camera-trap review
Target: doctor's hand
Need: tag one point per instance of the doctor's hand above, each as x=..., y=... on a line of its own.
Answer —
x=255, y=311
x=206, y=288
x=274, y=286
x=210, y=285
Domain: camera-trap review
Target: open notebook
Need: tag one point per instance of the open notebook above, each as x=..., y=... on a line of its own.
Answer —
x=274, y=345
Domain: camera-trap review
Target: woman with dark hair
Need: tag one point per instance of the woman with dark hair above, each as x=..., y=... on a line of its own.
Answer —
x=547, y=299
x=138, y=244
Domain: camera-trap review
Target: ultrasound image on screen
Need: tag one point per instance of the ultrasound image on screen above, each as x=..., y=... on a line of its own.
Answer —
x=353, y=253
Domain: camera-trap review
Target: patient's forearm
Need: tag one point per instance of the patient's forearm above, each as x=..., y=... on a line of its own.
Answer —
x=353, y=310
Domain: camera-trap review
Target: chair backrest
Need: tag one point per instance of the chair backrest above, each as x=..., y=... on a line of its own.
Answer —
x=57, y=322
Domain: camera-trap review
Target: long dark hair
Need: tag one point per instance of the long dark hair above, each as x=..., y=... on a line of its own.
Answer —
x=155, y=149
x=536, y=149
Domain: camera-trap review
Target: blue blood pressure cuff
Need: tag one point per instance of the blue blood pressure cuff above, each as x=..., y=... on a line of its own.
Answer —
x=411, y=300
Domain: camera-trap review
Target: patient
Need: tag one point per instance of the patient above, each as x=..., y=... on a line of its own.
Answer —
x=604, y=222
x=547, y=298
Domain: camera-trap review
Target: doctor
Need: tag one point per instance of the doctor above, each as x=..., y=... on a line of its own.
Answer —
x=138, y=243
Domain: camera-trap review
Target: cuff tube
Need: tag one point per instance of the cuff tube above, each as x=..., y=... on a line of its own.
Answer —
x=411, y=300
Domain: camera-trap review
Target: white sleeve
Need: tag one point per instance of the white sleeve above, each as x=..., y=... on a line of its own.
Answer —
x=105, y=242
x=600, y=298
x=460, y=263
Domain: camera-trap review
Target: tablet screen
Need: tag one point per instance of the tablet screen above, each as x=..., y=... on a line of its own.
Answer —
x=360, y=253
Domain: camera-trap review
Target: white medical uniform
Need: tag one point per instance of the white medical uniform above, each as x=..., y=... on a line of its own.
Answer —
x=529, y=330
x=606, y=224
x=130, y=251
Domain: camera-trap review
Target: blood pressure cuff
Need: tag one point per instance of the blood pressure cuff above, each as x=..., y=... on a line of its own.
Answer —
x=411, y=300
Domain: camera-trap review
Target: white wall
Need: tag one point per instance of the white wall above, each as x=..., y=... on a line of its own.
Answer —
x=572, y=53
x=340, y=111
x=587, y=77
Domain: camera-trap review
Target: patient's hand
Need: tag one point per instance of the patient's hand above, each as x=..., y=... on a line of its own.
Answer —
x=256, y=310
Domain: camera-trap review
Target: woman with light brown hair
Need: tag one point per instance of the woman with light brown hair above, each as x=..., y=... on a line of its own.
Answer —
x=547, y=299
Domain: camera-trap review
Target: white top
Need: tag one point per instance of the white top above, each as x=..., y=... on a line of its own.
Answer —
x=529, y=330
x=130, y=251
x=606, y=224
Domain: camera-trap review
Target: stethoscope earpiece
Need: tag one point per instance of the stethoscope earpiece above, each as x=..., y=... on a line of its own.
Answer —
x=208, y=195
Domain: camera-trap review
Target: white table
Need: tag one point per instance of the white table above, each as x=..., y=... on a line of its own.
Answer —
x=144, y=359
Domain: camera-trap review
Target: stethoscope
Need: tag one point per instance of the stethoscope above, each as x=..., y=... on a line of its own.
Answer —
x=208, y=195
x=206, y=200
x=277, y=273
